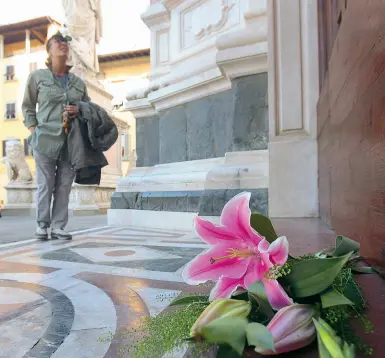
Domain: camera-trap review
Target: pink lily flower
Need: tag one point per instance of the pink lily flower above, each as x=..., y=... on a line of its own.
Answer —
x=239, y=256
x=292, y=328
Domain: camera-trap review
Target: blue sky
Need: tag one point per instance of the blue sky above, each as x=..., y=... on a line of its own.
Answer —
x=123, y=28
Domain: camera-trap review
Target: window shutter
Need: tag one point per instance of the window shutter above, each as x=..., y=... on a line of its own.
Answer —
x=10, y=73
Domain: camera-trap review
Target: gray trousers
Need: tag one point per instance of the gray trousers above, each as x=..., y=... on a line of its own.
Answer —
x=54, y=178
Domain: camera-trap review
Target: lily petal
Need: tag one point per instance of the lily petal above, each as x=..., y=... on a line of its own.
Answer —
x=201, y=269
x=292, y=343
x=276, y=295
x=225, y=287
x=236, y=217
x=279, y=250
x=254, y=272
x=211, y=233
x=263, y=246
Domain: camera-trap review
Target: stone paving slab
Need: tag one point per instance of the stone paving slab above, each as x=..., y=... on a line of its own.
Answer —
x=17, y=228
x=105, y=280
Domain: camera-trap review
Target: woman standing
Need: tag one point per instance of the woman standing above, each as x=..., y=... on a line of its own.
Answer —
x=57, y=94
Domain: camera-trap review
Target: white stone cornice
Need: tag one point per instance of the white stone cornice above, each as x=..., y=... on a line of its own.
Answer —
x=198, y=47
x=243, y=51
x=172, y=4
x=140, y=108
x=98, y=88
x=120, y=123
x=156, y=14
x=247, y=62
x=190, y=89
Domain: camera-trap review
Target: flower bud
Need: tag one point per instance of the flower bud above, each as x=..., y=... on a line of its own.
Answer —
x=329, y=344
x=220, y=308
x=292, y=328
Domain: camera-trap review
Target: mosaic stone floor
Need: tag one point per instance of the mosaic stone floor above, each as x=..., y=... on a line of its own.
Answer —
x=58, y=298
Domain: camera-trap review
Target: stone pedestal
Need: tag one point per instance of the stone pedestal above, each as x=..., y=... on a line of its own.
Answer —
x=91, y=199
x=21, y=199
x=84, y=199
x=202, y=123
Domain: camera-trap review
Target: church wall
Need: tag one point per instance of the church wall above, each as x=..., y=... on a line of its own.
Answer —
x=351, y=126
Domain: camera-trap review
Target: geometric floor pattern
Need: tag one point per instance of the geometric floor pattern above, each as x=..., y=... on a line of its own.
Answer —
x=57, y=298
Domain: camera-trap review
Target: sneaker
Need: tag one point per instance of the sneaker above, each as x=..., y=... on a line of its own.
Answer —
x=60, y=234
x=42, y=233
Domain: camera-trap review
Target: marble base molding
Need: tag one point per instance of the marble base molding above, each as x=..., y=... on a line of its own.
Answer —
x=236, y=170
x=148, y=219
x=200, y=187
x=165, y=220
x=208, y=202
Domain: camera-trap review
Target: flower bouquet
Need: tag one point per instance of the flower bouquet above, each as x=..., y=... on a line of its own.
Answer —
x=263, y=299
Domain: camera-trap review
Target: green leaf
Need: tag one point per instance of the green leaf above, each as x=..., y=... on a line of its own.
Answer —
x=332, y=297
x=231, y=331
x=189, y=299
x=328, y=340
x=226, y=352
x=344, y=245
x=353, y=293
x=322, y=351
x=257, y=295
x=263, y=226
x=349, y=350
x=313, y=276
x=259, y=336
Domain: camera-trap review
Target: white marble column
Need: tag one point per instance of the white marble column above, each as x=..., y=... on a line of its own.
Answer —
x=1, y=47
x=27, y=41
x=293, y=95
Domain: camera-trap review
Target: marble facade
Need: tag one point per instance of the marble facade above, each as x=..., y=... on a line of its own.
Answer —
x=206, y=103
x=224, y=83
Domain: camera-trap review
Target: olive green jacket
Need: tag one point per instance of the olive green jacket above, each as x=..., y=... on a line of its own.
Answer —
x=45, y=90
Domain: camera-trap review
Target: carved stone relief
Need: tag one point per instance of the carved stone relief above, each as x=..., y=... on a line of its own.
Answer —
x=205, y=19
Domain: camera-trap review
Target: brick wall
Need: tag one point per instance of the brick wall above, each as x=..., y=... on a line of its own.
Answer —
x=351, y=129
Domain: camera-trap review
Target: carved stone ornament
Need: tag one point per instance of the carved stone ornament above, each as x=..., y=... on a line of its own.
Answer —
x=16, y=166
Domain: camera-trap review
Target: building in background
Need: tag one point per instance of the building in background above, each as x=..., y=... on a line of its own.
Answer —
x=121, y=73
x=22, y=50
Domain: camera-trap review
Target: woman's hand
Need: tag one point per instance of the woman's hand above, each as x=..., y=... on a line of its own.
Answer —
x=72, y=111
x=32, y=129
